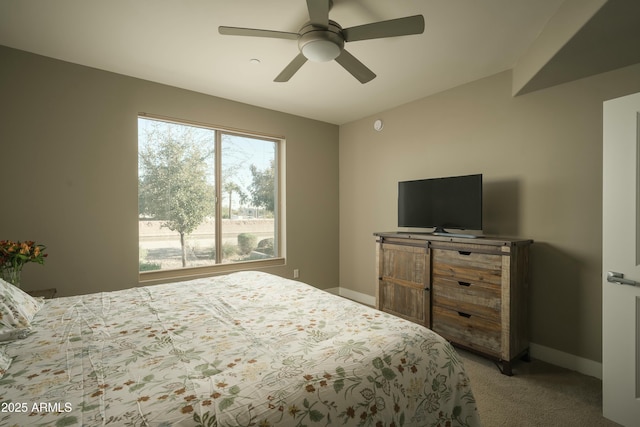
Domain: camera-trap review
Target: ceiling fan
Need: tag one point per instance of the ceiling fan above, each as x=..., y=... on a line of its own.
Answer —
x=322, y=39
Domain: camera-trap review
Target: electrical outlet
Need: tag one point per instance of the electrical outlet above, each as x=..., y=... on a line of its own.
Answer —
x=296, y=273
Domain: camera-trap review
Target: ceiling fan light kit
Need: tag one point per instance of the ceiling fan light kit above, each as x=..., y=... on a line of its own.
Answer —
x=320, y=44
x=322, y=40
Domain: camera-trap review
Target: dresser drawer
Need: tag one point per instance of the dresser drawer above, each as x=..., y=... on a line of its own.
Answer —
x=468, y=330
x=476, y=298
x=475, y=267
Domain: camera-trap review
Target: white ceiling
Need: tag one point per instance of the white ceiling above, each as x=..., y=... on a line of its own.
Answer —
x=177, y=43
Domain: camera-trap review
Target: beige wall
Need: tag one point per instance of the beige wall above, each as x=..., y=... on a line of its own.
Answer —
x=541, y=156
x=68, y=161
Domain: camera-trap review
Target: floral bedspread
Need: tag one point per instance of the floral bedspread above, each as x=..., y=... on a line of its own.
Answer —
x=245, y=349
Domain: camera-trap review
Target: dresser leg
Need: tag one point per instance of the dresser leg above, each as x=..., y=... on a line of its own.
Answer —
x=505, y=367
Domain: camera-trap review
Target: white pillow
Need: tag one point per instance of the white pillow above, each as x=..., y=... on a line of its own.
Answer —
x=17, y=308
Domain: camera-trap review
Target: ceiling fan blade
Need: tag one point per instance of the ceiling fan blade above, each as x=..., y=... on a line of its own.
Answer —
x=391, y=28
x=319, y=12
x=355, y=67
x=291, y=69
x=254, y=32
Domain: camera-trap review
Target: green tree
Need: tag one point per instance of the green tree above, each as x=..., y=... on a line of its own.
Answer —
x=262, y=187
x=231, y=187
x=173, y=179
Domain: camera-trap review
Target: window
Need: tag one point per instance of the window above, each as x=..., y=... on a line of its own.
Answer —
x=206, y=196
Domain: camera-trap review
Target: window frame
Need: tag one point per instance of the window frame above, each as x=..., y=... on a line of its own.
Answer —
x=148, y=277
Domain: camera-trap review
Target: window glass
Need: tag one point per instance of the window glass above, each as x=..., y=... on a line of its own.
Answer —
x=249, y=196
x=205, y=196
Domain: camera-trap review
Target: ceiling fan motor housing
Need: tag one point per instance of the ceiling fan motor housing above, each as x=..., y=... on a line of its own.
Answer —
x=321, y=44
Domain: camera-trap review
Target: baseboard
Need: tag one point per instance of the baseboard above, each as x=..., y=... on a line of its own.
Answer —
x=353, y=295
x=540, y=352
x=566, y=360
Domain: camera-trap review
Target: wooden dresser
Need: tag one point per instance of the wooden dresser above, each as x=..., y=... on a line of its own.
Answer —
x=473, y=292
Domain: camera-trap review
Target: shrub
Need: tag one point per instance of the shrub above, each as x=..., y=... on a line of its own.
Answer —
x=246, y=243
x=149, y=266
x=228, y=251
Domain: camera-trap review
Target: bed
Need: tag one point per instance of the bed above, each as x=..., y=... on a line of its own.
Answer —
x=244, y=349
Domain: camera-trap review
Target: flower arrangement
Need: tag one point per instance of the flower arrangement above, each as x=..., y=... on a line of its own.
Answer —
x=14, y=255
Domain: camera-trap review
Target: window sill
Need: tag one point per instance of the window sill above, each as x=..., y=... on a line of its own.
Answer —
x=163, y=276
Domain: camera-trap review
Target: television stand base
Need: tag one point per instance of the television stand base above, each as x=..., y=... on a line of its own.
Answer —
x=447, y=234
x=442, y=232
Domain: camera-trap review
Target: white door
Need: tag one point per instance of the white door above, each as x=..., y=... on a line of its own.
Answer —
x=621, y=254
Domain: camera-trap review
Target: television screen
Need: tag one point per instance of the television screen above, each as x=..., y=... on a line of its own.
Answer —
x=452, y=202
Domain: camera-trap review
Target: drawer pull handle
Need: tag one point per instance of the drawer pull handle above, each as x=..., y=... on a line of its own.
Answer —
x=464, y=252
x=464, y=283
x=464, y=314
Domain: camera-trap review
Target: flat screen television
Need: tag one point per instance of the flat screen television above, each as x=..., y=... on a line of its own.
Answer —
x=442, y=203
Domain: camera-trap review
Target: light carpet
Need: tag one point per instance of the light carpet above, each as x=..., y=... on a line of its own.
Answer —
x=538, y=394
